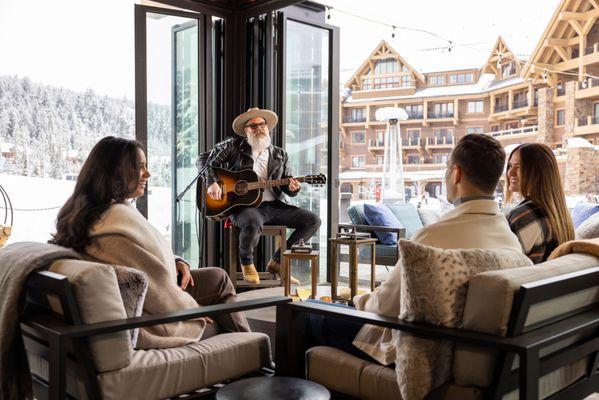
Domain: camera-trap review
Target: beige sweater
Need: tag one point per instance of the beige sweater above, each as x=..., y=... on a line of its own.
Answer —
x=475, y=224
x=122, y=236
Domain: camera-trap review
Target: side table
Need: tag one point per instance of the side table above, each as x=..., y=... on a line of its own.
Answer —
x=353, y=244
x=289, y=255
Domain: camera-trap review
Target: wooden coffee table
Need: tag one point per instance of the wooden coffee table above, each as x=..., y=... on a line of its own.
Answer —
x=273, y=388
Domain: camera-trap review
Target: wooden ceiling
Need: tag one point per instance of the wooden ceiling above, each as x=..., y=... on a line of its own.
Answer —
x=231, y=7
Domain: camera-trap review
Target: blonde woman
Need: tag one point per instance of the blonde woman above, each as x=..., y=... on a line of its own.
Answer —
x=541, y=220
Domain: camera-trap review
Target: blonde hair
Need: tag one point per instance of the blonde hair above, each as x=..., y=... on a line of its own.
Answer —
x=541, y=183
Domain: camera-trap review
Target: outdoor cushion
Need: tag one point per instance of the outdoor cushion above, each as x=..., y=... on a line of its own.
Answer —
x=589, y=229
x=98, y=298
x=382, y=250
x=163, y=373
x=356, y=214
x=434, y=284
x=407, y=215
x=381, y=215
x=582, y=211
x=429, y=216
x=489, y=304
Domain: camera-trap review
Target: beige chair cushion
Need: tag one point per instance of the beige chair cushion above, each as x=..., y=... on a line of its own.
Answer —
x=433, y=290
x=162, y=373
x=489, y=304
x=97, y=295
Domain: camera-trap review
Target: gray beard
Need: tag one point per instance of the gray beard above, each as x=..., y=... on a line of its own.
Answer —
x=259, y=142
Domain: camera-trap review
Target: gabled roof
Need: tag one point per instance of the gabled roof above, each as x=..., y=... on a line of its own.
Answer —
x=383, y=48
x=500, y=52
x=571, y=18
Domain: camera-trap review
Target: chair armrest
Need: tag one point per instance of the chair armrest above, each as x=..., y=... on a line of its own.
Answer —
x=401, y=232
x=87, y=330
x=535, y=339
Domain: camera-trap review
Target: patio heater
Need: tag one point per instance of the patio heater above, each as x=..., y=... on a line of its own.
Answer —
x=392, y=184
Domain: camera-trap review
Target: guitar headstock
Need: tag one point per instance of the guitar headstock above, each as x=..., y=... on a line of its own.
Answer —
x=319, y=179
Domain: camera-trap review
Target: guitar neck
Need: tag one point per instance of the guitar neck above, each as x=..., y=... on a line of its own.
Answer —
x=273, y=183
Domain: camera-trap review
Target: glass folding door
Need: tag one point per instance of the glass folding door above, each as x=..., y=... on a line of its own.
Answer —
x=169, y=112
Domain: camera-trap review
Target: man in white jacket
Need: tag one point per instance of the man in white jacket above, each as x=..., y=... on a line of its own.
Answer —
x=473, y=172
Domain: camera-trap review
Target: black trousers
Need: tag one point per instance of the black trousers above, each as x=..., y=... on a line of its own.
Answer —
x=250, y=221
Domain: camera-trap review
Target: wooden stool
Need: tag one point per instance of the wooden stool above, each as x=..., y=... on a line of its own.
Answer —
x=290, y=255
x=353, y=244
x=232, y=263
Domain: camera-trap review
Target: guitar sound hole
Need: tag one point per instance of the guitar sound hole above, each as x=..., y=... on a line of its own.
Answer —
x=241, y=188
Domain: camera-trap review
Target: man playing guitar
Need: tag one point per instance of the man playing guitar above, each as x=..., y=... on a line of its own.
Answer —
x=252, y=149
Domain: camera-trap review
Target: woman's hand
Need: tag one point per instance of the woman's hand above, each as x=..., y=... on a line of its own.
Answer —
x=183, y=269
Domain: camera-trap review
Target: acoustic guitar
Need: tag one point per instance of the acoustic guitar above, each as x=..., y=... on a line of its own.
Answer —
x=244, y=189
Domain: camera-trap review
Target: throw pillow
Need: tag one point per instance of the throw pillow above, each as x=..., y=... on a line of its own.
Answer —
x=589, y=229
x=133, y=286
x=434, y=284
x=407, y=214
x=582, y=211
x=380, y=215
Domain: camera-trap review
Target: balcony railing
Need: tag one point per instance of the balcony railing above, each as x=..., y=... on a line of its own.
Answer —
x=560, y=91
x=517, y=131
x=520, y=103
x=440, y=141
x=440, y=115
x=588, y=83
x=415, y=115
x=500, y=108
x=587, y=120
x=411, y=142
x=376, y=143
x=354, y=119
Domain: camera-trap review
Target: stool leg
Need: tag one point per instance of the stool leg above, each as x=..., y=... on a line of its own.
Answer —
x=334, y=267
x=353, y=271
x=373, y=267
x=315, y=268
x=287, y=274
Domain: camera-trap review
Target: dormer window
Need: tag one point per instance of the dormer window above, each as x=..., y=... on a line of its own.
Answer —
x=508, y=69
x=387, y=66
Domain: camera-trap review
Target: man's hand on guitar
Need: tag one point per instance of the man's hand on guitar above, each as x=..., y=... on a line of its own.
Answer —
x=294, y=185
x=215, y=192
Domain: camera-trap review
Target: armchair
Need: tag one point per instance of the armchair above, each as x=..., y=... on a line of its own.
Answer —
x=76, y=340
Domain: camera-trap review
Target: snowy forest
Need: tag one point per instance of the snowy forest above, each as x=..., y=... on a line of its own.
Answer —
x=48, y=132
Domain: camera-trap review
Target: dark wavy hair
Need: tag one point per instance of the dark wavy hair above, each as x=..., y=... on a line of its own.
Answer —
x=110, y=174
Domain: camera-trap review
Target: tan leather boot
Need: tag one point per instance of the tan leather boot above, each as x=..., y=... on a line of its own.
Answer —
x=250, y=274
x=275, y=268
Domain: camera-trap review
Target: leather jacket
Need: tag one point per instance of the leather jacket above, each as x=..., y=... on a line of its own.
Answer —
x=236, y=154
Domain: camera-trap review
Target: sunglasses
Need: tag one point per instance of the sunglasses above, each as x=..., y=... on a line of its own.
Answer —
x=255, y=127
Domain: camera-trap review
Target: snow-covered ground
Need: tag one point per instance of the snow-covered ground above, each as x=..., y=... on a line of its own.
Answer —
x=36, y=202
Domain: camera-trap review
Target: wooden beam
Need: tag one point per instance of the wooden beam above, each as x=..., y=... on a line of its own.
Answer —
x=594, y=4
x=550, y=42
x=589, y=25
x=576, y=26
x=569, y=16
x=561, y=52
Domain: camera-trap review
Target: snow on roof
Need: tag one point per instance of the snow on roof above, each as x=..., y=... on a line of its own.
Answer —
x=6, y=147
x=483, y=85
x=505, y=82
x=408, y=175
x=576, y=142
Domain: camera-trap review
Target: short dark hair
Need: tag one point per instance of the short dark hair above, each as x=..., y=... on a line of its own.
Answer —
x=481, y=158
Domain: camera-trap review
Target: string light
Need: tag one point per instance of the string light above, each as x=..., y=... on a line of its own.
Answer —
x=328, y=12
x=393, y=33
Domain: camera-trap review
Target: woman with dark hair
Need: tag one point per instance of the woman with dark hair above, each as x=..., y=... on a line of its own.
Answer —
x=541, y=220
x=99, y=222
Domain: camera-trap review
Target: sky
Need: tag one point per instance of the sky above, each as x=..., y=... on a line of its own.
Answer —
x=84, y=44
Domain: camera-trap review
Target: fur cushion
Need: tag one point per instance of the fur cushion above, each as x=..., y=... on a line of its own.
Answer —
x=133, y=286
x=434, y=284
x=589, y=229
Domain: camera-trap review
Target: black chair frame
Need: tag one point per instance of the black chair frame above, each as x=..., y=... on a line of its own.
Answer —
x=525, y=342
x=62, y=339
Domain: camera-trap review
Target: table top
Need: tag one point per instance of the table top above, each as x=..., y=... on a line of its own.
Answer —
x=273, y=388
x=299, y=254
x=352, y=240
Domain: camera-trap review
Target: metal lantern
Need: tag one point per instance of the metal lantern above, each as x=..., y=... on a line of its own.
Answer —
x=6, y=225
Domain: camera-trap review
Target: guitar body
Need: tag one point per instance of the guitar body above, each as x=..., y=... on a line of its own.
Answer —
x=235, y=193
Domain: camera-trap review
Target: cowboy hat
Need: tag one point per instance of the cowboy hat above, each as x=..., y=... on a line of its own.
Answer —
x=269, y=116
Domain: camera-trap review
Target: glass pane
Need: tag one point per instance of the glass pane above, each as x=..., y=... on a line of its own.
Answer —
x=172, y=59
x=306, y=119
